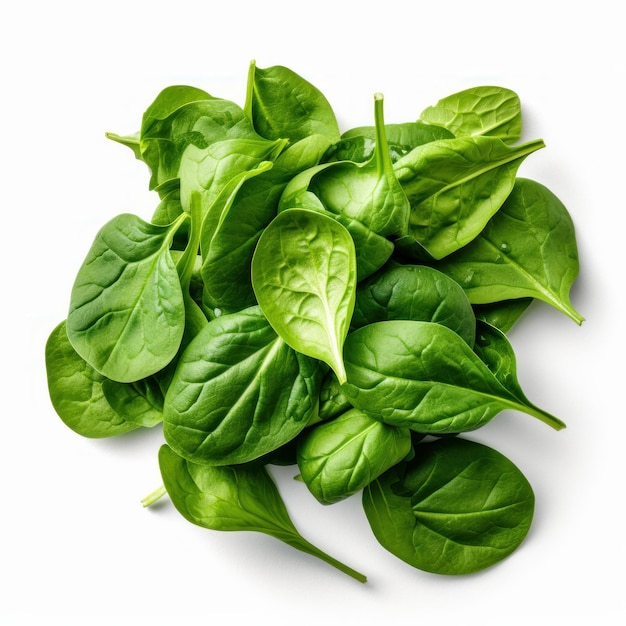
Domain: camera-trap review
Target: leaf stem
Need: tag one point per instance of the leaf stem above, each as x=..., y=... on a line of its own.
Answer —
x=151, y=498
x=300, y=543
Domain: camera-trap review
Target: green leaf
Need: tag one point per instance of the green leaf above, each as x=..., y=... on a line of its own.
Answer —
x=232, y=499
x=423, y=376
x=304, y=278
x=359, y=144
x=223, y=405
x=414, y=292
x=138, y=403
x=340, y=457
x=234, y=232
x=492, y=111
x=504, y=314
x=76, y=391
x=496, y=352
x=127, y=315
x=169, y=127
x=457, y=508
x=283, y=105
x=456, y=185
x=367, y=192
x=215, y=170
x=527, y=250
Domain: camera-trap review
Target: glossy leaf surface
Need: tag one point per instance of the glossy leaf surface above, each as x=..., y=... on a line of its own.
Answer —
x=304, y=278
x=283, y=105
x=367, y=192
x=127, y=315
x=234, y=499
x=455, y=186
x=231, y=235
x=339, y=457
x=414, y=292
x=527, y=250
x=457, y=508
x=423, y=376
x=223, y=405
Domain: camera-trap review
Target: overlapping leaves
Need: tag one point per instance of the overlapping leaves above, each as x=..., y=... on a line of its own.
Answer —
x=334, y=301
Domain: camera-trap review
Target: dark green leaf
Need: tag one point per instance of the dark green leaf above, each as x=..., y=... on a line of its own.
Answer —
x=339, y=457
x=457, y=508
x=456, y=185
x=423, y=376
x=528, y=250
x=223, y=405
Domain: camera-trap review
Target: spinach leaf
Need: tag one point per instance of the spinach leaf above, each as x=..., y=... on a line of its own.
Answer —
x=215, y=170
x=283, y=105
x=414, y=292
x=456, y=185
x=492, y=111
x=359, y=144
x=527, y=250
x=223, y=405
x=304, y=278
x=235, y=498
x=234, y=231
x=423, y=376
x=339, y=457
x=367, y=192
x=496, y=352
x=76, y=391
x=138, y=403
x=372, y=250
x=167, y=130
x=333, y=402
x=504, y=314
x=457, y=508
x=127, y=314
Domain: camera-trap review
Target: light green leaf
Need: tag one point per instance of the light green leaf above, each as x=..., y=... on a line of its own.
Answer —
x=304, y=278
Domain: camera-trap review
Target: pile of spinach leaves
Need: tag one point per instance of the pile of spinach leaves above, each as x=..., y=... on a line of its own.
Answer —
x=334, y=301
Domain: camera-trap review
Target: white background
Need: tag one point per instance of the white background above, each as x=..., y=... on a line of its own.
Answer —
x=76, y=547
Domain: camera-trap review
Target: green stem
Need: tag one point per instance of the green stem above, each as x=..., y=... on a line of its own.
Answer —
x=383, y=158
x=299, y=543
x=151, y=498
x=247, y=107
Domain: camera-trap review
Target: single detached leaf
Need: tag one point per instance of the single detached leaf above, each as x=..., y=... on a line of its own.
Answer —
x=527, y=250
x=457, y=508
x=127, y=315
x=456, y=185
x=339, y=457
x=414, y=292
x=234, y=498
x=304, y=278
x=492, y=111
x=76, y=391
x=423, y=376
x=224, y=405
